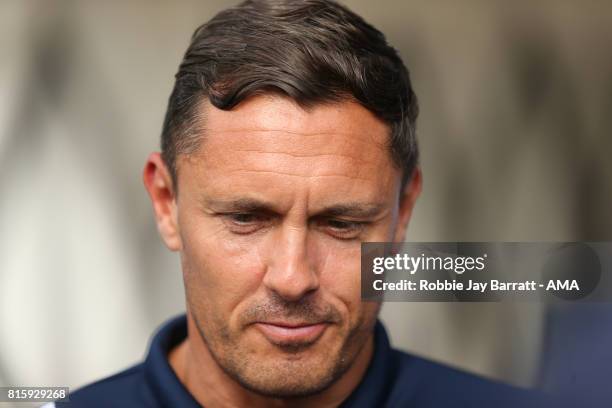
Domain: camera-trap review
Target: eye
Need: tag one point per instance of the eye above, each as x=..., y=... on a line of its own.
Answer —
x=244, y=222
x=242, y=218
x=343, y=229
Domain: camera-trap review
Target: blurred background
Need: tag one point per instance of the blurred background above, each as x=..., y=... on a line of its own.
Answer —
x=515, y=131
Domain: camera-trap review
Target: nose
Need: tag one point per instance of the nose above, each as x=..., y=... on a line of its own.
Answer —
x=290, y=273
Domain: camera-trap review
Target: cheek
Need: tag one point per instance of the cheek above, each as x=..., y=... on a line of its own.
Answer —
x=340, y=275
x=219, y=271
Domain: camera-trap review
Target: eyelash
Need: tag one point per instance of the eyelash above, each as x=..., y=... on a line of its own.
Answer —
x=240, y=226
x=351, y=230
x=341, y=229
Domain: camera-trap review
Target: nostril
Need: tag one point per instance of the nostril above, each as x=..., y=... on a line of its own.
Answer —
x=291, y=283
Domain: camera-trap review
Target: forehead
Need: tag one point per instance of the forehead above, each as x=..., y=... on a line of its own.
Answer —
x=270, y=141
x=334, y=123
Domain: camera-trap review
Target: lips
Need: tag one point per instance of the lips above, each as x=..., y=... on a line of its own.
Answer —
x=286, y=334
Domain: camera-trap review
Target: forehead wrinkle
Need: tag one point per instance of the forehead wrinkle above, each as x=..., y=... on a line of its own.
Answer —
x=272, y=130
x=361, y=152
x=298, y=175
x=286, y=159
x=299, y=156
x=353, y=147
x=366, y=138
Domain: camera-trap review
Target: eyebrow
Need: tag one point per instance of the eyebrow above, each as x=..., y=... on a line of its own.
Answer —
x=239, y=204
x=350, y=209
x=353, y=210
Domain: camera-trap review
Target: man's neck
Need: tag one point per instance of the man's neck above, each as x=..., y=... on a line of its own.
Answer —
x=212, y=387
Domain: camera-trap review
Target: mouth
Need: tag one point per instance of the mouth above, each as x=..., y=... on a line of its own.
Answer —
x=290, y=334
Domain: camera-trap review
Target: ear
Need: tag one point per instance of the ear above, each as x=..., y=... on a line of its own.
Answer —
x=411, y=192
x=158, y=182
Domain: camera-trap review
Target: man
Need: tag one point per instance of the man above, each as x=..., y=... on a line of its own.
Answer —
x=289, y=139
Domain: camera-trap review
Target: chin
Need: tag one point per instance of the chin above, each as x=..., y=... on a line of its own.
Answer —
x=289, y=378
x=287, y=371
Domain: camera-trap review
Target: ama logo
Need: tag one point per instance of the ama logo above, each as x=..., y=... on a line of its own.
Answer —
x=562, y=285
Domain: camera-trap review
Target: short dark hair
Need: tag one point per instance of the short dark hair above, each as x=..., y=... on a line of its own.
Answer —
x=313, y=51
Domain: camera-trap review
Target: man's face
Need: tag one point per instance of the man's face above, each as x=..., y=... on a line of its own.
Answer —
x=270, y=215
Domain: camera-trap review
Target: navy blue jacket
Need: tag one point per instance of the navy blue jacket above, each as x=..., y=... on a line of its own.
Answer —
x=394, y=379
